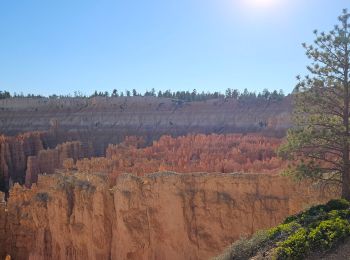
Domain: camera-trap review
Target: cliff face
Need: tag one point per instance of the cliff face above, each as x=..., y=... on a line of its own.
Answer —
x=108, y=120
x=159, y=216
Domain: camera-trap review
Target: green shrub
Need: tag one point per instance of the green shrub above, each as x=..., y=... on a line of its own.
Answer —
x=245, y=248
x=315, y=210
x=328, y=233
x=344, y=214
x=319, y=228
x=294, y=247
x=291, y=218
x=308, y=216
x=315, y=214
x=283, y=230
x=337, y=204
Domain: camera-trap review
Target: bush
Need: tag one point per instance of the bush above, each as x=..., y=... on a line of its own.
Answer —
x=323, y=237
x=245, y=248
x=344, y=214
x=85, y=185
x=314, y=215
x=291, y=218
x=283, y=230
x=323, y=227
x=294, y=247
x=42, y=197
x=337, y=204
x=329, y=232
x=308, y=216
x=319, y=228
x=69, y=183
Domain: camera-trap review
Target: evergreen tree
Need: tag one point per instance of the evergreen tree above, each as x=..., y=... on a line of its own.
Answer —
x=235, y=94
x=115, y=93
x=4, y=94
x=228, y=93
x=320, y=140
x=266, y=93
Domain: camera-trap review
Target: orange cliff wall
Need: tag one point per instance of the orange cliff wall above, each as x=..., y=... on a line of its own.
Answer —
x=159, y=216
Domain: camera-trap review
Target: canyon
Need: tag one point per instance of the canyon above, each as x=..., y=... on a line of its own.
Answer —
x=141, y=177
x=28, y=125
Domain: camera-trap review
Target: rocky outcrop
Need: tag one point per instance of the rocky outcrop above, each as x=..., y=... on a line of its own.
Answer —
x=159, y=216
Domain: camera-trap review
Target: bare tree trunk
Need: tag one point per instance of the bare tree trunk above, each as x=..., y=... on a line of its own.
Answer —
x=346, y=169
x=346, y=175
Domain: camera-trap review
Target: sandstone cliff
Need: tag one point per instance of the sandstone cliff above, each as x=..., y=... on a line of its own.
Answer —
x=159, y=216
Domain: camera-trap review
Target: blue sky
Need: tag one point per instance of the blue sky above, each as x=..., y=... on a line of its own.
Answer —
x=64, y=46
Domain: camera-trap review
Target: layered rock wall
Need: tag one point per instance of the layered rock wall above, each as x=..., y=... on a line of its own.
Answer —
x=108, y=120
x=159, y=216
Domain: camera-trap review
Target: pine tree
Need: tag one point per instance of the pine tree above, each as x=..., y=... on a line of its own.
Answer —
x=320, y=140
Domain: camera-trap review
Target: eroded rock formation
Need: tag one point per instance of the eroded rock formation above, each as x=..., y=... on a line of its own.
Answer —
x=24, y=156
x=47, y=161
x=159, y=216
x=98, y=122
x=14, y=152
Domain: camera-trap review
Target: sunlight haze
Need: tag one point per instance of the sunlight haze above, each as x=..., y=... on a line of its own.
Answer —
x=261, y=4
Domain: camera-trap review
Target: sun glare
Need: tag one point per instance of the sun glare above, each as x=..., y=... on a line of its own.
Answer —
x=255, y=11
x=261, y=4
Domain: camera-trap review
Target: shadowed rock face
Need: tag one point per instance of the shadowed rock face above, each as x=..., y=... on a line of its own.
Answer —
x=23, y=157
x=148, y=116
x=13, y=155
x=160, y=216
